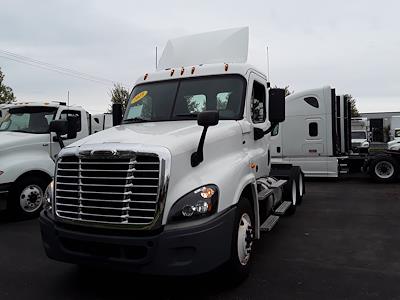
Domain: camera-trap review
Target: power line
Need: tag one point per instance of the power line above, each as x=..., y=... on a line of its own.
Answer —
x=50, y=67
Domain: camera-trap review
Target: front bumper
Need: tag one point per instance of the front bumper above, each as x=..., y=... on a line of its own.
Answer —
x=179, y=251
x=4, y=194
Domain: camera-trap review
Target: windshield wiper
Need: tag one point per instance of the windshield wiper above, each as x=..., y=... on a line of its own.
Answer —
x=187, y=115
x=135, y=120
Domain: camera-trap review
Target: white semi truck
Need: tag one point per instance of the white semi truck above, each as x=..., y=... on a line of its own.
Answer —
x=185, y=183
x=28, y=150
x=316, y=136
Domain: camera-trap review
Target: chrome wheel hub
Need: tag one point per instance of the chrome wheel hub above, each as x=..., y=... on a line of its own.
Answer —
x=31, y=198
x=245, y=239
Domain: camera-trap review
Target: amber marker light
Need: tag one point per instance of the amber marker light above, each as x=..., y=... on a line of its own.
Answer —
x=193, y=68
x=226, y=67
x=172, y=72
x=182, y=71
x=207, y=192
x=145, y=76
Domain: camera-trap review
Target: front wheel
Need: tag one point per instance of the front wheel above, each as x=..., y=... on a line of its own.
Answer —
x=27, y=197
x=238, y=266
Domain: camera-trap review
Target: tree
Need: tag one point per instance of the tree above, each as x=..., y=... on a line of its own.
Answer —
x=353, y=103
x=119, y=95
x=6, y=93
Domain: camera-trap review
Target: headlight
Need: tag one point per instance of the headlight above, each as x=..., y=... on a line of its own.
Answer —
x=199, y=203
x=48, y=197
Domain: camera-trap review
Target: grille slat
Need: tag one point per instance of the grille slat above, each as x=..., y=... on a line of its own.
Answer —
x=108, y=190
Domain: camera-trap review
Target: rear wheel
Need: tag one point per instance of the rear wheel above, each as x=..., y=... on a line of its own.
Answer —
x=238, y=266
x=384, y=169
x=301, y=187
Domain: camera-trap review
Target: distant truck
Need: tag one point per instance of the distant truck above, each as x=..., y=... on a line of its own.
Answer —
x=359, y=135
x=3, y=111
x=28, y=150
x=316, y=136
x=394, y=144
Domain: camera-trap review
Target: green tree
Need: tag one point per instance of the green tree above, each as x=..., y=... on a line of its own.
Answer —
x=353, y=103
x=6, y=93
x=119, y=95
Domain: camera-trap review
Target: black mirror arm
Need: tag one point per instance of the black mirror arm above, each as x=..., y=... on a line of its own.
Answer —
x=197, y=157
x=269, y=130
x=60, y=140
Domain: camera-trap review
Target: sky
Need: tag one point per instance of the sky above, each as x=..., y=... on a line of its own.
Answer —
x=353, y=46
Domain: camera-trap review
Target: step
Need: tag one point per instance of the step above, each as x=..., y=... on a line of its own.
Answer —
x=283, y=208
x=264, y=194
x=269, y=223
x=278, y=184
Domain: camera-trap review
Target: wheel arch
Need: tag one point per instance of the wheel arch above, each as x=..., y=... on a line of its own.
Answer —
x=249, y=191
x=34, y=173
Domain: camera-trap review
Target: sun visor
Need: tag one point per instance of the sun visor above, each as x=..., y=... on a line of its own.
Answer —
x=223, y=46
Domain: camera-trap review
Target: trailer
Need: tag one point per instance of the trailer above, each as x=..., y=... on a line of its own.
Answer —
x=316, y=136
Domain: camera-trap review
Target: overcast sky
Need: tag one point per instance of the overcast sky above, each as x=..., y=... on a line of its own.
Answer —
x=351, y=45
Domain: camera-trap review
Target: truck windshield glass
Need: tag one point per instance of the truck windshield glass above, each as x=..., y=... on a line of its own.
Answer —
x=183, y=99
x=358, y=135
x=30, y=119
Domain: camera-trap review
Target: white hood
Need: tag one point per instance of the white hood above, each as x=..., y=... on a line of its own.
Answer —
x=176, y=136
x=12, y=140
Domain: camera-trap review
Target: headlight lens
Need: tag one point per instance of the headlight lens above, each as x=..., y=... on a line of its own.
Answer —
x=199, y=203
x=48, y=197
x=365, y=144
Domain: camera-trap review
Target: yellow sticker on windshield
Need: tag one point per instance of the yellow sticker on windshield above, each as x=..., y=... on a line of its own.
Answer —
x=139, y=97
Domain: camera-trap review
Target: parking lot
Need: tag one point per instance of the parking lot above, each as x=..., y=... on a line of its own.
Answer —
x=343, y=242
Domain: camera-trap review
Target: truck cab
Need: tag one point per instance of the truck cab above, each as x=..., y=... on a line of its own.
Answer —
x=28, y=150
x=185, y=183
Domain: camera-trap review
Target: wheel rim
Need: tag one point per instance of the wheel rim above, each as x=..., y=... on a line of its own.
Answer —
x=294, y=193
x=384, y=169
x=31, y=198
x=301, y=185
x=245, y=239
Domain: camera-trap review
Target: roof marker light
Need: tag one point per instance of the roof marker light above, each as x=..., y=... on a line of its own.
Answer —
x=172, y=72
x=182, y=71
x=193, y=68
x=145, y=76
x=226, y=67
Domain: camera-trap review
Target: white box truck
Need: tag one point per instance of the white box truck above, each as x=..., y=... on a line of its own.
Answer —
x=185, y=183
x=28, y=150
x=359, y=135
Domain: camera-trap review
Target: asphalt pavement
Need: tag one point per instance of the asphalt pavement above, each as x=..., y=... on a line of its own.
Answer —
x=342, y=243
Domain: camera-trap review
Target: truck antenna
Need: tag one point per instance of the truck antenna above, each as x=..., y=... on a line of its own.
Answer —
x=68, y=99
x=268, y=64
x=156, y=59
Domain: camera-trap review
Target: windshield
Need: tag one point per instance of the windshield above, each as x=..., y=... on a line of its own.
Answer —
x=358, y=135
x=183, y=99
x=30, y=119
x=397, y=133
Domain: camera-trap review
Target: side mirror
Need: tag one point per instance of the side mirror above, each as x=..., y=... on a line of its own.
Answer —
x=117, y=114
x=208, y=118
x=59, y=127
x=205, y=119
x=72, y=127
x=276, y=112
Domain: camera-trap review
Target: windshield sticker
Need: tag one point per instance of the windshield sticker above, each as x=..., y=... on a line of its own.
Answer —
x=139, y=97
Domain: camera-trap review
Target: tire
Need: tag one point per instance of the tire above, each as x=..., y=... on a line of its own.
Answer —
x=291, y=191
x=27, y=197
x=384, y=168
x=238, y=266
x=301, y=187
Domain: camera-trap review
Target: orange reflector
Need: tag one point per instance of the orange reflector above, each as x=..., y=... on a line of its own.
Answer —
x=253, y=165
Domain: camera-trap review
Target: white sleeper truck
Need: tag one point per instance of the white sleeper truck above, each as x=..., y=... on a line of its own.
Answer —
x=28, y=150
x=316, y=136
x=185, y=184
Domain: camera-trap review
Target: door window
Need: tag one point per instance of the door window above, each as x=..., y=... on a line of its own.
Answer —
x=313, y=129
x=257, y=103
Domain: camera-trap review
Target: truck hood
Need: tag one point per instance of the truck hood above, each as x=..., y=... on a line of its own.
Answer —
x=177, y=136
x=10, y=140
x=358, y=140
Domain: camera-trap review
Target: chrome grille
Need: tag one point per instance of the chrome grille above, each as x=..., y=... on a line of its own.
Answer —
x=108, y=189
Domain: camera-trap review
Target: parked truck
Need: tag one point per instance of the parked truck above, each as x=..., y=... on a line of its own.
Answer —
x=316, y=136
x=3, y=111
x=394, y=144
x=28, y=151
x=359, y=135
x=185, y=184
